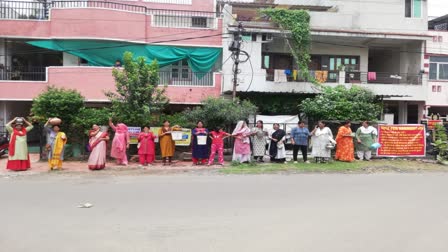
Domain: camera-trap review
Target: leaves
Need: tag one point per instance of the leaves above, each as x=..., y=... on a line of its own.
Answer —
x=340, y=103
x=220, y=112
x=137, y=94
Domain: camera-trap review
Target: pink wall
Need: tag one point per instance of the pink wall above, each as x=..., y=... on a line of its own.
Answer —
x=91, y=82
x=197, y=5
x=107, y=24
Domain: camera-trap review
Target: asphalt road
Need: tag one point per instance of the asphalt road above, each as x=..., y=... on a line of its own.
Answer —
x=331, y=213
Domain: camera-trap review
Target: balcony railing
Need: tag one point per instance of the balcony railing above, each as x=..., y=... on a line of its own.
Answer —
x=161, y=17
x=33, y=73
x=170, y=78
x=352, y=77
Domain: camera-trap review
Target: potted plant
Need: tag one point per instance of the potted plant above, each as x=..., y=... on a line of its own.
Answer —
x=341, y=69
x=441, y=144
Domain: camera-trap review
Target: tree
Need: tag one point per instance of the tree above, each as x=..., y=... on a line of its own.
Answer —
x=220, y=112
x=58, y=102
x=90, y=116
x=137, y=93
x=340, y=103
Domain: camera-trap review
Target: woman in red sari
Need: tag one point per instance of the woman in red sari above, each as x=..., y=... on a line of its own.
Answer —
x=98, y=146
x=146, y=148
x=345, y=147
x=18, y=158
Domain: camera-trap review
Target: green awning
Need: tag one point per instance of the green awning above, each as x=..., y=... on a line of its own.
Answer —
x=105, y=53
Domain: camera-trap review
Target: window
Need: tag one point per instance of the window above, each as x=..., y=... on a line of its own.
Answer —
x=180, y=70
x=200, y=22
x=438, y=68
x=413, y=8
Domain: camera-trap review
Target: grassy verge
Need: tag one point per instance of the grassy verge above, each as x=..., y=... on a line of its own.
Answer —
x=336, y=167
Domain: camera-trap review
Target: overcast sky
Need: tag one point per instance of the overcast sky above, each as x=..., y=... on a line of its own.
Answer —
x=437, y=8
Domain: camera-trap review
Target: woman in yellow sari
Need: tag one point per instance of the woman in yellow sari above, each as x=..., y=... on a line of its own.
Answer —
x=345, y=147
x=55, y=146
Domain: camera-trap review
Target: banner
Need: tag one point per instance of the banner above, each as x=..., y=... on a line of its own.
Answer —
x=432, y=124
x=407, y=140
x=186, y=136
x=133, y=133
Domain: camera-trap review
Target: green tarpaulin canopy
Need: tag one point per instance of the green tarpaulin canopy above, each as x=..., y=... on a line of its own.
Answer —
x=105, y=53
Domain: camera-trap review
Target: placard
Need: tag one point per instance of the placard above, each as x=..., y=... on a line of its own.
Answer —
x=186, y=136
x=133, y=134
x=432, y=124
x=405, y=140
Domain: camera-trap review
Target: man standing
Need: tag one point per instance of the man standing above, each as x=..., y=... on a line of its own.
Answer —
x=299, y=138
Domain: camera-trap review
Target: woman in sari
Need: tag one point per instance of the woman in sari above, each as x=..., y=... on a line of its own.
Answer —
x=344, y=140
x=199, y=146
x=366, y=135
x=146, y=147
x=259, y=141
x=55, y=145
x=277, y=145
x=241, y=149
x=98, y=147
x=120, y=143
x=321, y=137
x=167, y=145
x=18, y=158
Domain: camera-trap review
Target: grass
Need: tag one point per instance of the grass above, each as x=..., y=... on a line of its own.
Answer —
x=335, y=167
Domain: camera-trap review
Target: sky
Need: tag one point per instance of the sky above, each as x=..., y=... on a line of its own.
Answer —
x=437, y=8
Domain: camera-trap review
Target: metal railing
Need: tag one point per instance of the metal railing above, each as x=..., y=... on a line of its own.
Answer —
x=352, y=77
x=161, y=17
x=32, y=73
x=174, y=78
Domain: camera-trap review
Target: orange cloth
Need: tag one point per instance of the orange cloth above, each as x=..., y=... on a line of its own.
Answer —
x=345, y=147
x=321, y=76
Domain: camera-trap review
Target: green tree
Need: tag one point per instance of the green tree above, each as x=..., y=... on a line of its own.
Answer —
x=340, y=103
x=90, y=116
x=137, y=93
x=58, y=102
x=220, y=112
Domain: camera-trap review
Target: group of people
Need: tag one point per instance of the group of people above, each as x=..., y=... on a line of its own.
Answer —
x=248, y=143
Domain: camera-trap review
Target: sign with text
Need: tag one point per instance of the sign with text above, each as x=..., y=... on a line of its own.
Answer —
x=133, y=134
x=186, y=136
x=432, y=124
x=406, y=140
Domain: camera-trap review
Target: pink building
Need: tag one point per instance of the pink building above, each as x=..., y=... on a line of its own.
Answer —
x=74, y=44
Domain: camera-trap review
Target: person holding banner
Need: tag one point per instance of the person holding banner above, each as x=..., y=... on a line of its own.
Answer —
x=120, y=142
x=344, y=140
x=98, y=147
x=146, y=147
x=199, y=145
x=366, y=135
x=167, y=144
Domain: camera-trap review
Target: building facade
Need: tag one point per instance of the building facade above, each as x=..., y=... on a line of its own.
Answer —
x=74, y=44
x=379, y=45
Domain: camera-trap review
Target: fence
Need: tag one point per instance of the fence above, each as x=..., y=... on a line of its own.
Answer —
x=186, y=78
x=32, y=73
x=161, y=17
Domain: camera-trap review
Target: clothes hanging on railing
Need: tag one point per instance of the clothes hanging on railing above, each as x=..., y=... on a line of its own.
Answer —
x=321, y=76
x=371, y=76
x=280, y=76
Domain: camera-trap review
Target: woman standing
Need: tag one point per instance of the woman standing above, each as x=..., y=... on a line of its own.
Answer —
x=146, y=149
x=98, y=147
x=321, y=137
x=259, y=141
x=167, y=145
x=241, y=149
x=365, y=135
x=199, y=144
x=55, y=145
x=344, y=140
x=120, y=143
x=277, y=146
x=18, y=158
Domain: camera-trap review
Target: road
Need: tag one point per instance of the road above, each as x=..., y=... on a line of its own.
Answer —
x=312, y=212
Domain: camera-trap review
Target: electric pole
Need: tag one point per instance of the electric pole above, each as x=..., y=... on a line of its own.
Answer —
x=236, y=49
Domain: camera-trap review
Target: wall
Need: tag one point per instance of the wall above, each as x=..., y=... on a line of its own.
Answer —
x=378, y=15
x=196, y=5
x=438, y=44
x=92, y=82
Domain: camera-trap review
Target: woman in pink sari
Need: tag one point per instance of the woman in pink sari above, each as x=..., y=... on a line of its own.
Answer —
x=98, y=146
x=120, y=142
x=241, y=149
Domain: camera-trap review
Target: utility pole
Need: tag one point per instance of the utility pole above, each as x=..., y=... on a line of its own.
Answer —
x=236, y=49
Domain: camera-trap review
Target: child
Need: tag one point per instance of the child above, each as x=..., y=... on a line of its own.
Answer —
x=217, y=136
x=146, y=147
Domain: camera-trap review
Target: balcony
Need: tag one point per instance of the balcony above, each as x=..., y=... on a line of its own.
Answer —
x=350, y=77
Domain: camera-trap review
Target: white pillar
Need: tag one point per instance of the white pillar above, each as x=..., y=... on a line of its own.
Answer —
x=402, y=112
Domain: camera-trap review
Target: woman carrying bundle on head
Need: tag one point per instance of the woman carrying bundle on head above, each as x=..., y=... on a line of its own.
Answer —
x=18, y=158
